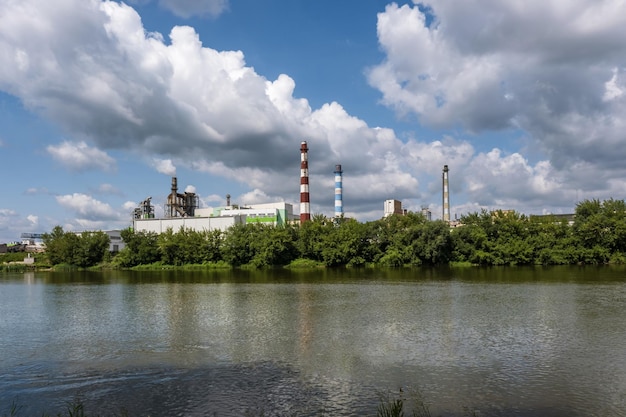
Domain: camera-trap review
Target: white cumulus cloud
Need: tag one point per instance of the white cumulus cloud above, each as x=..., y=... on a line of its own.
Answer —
x=164, y=166
x=552, y=70
x=80, y=156
x=548, y=68
x=87, y=207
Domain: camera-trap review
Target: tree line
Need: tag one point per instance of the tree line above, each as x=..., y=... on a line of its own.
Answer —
x=597, y=236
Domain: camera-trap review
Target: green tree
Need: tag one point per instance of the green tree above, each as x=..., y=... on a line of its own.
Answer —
x=345, y=243
x=551, y=240
x=141, y=248
x=471, y=243
x=57, y=248
x=182, y=247
x=59, y=245
x=82, y=250
x=90, y=249
x=275, y=245
x=601, y=224
x=412, y=240
x=431, y=243
x=600, y=230
x=238, y=248
x=310, y=237
x=168, y=248
x=493, y=238
x=210, y=246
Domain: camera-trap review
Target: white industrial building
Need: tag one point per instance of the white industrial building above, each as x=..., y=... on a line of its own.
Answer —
x=220, y=218
x=194, y=223
x=181, y=211
x=392, y=207
x=116, y=243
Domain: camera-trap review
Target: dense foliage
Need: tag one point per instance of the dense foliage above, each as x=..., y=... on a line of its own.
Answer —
x=83, y=250
x=597, y=236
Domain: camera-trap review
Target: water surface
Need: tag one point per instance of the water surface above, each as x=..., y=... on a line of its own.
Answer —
x=500, y=341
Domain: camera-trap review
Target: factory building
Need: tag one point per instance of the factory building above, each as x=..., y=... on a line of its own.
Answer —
x=428, y=215
x=392, y=207
x=182, y=211
x=116, y=243
x=159, y=226
x=277, y=214
x=180, y=205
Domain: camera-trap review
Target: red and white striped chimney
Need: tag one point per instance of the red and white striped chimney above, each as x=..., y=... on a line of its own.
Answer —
x=305, y=209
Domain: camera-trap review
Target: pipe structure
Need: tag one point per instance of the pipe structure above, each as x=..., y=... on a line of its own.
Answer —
x=172, y=199
x=183, y=205
x=446, y=195
x=338, y=192
x=305, y=205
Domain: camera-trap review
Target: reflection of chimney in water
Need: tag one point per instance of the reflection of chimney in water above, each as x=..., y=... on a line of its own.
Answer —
x=305, y=208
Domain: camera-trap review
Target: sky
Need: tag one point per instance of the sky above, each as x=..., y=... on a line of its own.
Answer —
x=102, y=102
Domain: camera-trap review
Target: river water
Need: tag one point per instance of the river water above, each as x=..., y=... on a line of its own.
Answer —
x=470, y=341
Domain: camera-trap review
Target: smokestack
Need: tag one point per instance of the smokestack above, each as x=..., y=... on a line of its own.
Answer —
x=446, y=195
x=305, y=208
x=227, y=200
x=338, y=192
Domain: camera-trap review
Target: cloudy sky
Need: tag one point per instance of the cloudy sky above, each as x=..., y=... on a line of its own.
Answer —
x=102, y=102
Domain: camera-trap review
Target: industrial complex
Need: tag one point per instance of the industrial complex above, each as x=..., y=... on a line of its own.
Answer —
x=182, y=211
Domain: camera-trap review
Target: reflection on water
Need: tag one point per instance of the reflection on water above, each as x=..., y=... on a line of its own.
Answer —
x=502, y=341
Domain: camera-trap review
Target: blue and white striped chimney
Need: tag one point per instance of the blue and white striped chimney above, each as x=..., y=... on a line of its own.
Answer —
x=338, y=192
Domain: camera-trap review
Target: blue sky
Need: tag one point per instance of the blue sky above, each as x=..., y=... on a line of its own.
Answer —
x=102, y=102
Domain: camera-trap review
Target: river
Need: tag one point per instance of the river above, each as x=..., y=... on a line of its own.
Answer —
x=510, y=341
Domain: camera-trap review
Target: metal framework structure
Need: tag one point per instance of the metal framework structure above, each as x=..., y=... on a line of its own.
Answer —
x=180, y=205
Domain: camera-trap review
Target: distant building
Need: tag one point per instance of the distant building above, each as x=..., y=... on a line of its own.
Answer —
x=392, y=207
x=32, y=242
x=116, y=243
